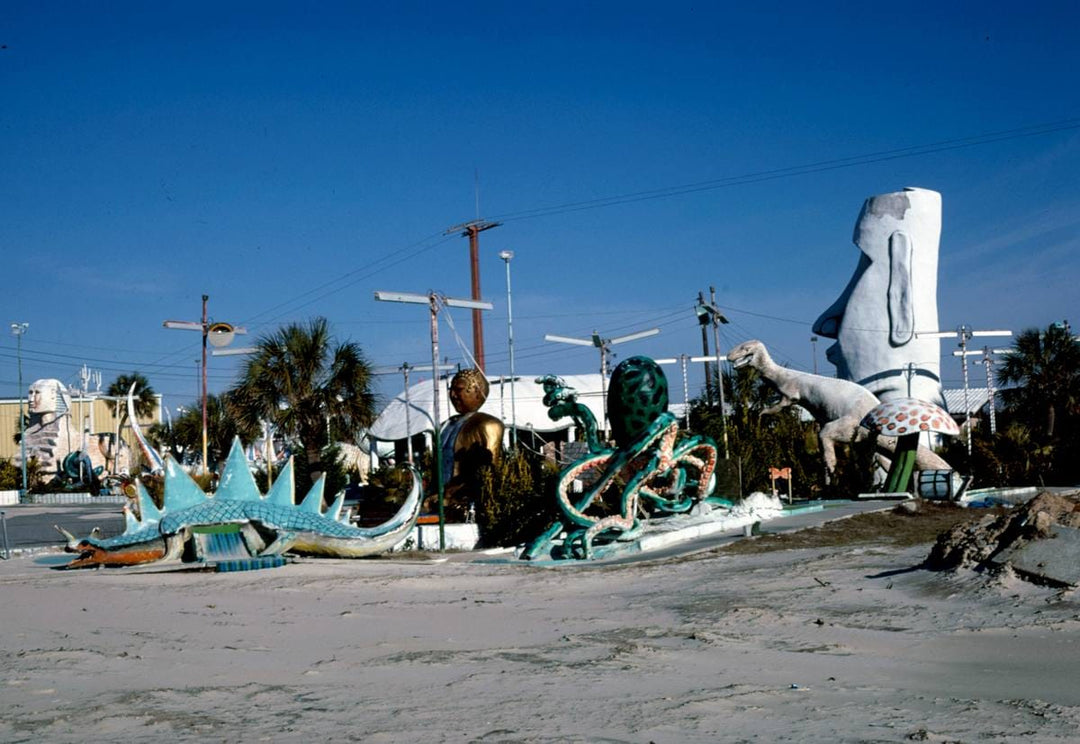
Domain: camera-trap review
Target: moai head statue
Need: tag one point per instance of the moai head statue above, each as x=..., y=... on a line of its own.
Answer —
x=890, y=299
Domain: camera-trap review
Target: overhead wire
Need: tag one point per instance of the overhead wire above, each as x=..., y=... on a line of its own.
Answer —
x=797, y=170
x=397, y=256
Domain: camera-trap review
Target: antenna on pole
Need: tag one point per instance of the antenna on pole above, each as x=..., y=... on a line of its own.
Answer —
x=604, y=344
x=472, y=230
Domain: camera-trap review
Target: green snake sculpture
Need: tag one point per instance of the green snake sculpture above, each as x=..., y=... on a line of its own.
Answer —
x=649, y=463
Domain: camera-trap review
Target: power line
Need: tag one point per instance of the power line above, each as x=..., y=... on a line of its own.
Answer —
x=397, y=256
x=796, y=170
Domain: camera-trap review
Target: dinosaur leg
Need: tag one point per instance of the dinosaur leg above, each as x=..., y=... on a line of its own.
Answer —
x=843, y=430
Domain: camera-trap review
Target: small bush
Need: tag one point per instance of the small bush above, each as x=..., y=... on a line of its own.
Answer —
x=10, y=476
x=388, y=485
x=517, y=499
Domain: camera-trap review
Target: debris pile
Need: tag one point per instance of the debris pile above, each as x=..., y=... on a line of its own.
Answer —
x=1039, y=540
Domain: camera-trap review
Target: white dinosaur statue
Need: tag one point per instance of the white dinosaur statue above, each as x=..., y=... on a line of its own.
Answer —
x=837, y=405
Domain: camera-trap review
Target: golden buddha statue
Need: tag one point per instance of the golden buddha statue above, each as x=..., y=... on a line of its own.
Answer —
x=470, y=440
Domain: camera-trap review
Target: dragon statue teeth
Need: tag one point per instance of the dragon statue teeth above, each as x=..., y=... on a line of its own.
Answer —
x=267, y=526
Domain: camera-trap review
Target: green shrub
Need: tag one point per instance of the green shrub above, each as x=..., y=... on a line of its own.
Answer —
x=10, y=476
x=517, y=499
x=388, y=485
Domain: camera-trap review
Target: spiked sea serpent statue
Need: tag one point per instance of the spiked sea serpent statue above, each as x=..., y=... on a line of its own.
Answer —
x=238, y=527
x=648, y=464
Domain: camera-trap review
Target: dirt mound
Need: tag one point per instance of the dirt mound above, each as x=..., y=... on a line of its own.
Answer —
x=975, y=544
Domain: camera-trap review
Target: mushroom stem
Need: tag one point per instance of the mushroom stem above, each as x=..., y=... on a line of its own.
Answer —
x=903, y=464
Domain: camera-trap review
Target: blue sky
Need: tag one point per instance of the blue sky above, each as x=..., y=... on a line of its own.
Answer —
x=288, y=159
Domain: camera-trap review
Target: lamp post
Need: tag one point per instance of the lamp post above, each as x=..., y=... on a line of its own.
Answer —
x=435, y=303
x=218, y=334
x=506, y=256
x=18, y=329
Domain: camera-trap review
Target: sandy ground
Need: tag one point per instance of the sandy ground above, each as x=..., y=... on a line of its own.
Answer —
x=830, y=644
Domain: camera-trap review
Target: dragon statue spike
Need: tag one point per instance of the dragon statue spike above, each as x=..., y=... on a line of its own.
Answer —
x=260, y=526
x=157, y=465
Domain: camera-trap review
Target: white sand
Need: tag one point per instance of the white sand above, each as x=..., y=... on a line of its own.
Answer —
x=789, y=646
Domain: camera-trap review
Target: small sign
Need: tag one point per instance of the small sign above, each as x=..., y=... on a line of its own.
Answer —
x=778, y=473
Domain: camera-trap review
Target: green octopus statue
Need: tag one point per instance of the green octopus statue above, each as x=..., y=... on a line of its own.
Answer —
x=649, y=463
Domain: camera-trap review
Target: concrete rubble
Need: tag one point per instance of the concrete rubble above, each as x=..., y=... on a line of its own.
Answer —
x=1038, y=540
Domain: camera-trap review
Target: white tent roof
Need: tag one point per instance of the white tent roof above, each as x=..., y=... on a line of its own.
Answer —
x=528, y=402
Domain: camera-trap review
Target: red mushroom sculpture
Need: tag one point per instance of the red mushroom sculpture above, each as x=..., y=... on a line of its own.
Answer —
x=906, y=419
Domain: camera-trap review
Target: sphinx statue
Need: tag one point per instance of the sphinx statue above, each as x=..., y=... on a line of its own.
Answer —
x=890, y=299
x=49, y=434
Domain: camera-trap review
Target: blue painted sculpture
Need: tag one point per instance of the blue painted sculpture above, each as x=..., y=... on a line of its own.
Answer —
x=265, y=527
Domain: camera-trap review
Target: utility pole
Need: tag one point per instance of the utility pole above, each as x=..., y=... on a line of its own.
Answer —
x=405, y=368
x=988, y=362
x=604, y=345
x=18, y=329
x=715, y=318
x=703, y=321
x=435, y=302
x=963, y=335
x=472, y=230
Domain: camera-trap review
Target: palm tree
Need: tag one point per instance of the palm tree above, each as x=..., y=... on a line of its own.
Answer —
x=310, y=388
x=183, y=437
x=1044, y=366
x=145, y=397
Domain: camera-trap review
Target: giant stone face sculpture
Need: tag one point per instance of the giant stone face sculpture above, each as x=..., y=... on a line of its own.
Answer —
x=891, y=297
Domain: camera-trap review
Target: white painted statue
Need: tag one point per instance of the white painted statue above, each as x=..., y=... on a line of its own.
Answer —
x=49, y=434
x=891, y=297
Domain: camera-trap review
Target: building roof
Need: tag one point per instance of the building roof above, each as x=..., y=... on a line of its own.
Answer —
x=977, y=399
x=527, y=402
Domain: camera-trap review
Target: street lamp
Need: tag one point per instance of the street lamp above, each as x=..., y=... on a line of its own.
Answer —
x=218, y=334
x=18, y=329
x=683, y=359
x=506, y=256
